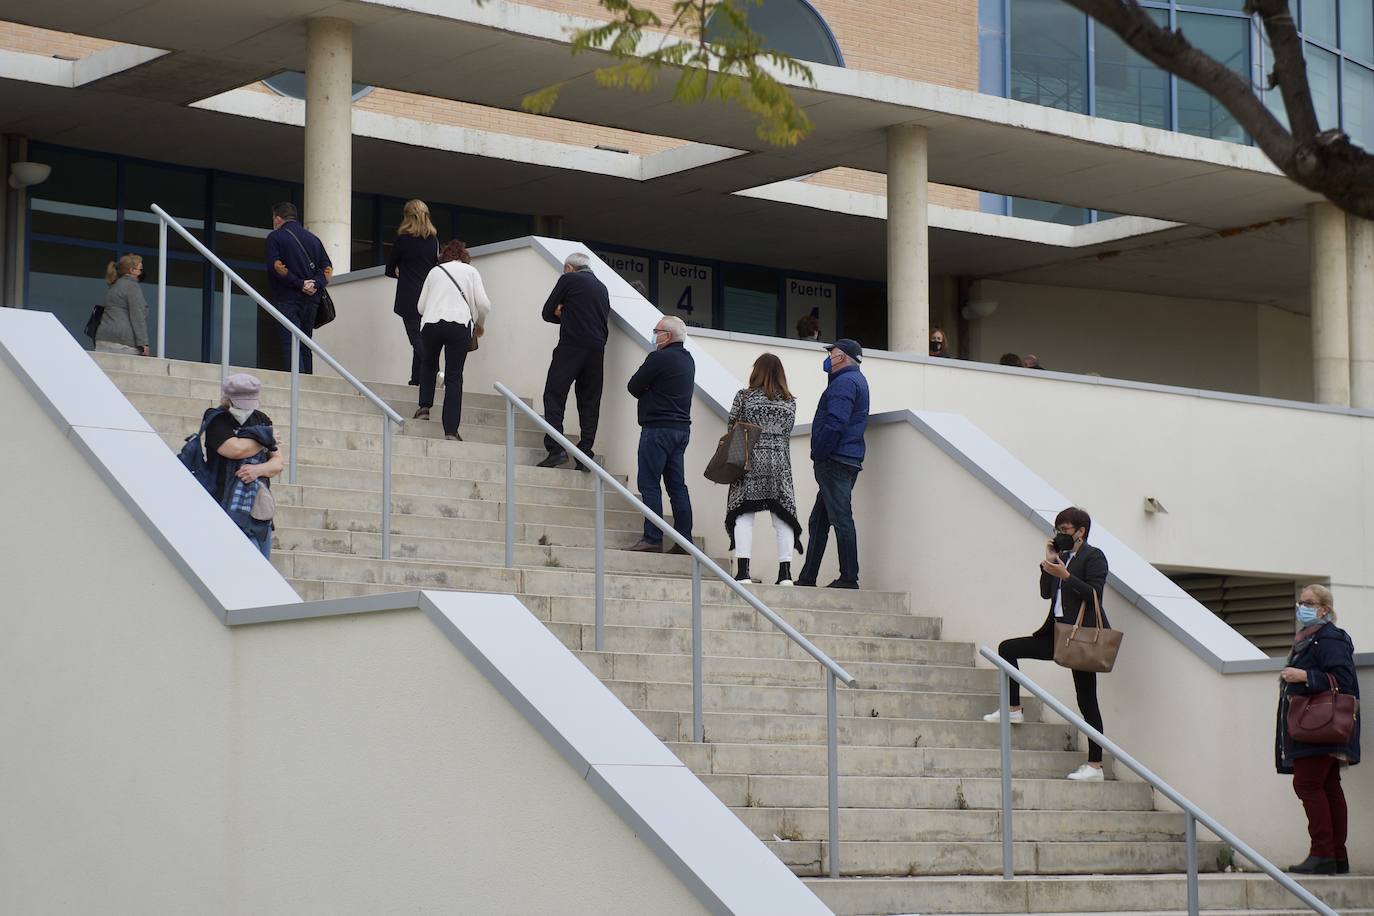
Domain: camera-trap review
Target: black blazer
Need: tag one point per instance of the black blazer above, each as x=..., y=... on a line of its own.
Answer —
x=1087, y=574
x=412, y=258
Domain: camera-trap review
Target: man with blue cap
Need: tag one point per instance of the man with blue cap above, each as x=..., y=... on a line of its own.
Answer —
x=837, y=454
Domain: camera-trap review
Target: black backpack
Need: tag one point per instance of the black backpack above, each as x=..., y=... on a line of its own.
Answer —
x=192, y=453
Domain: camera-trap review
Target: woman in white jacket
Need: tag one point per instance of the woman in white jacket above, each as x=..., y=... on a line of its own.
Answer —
x=453, y=311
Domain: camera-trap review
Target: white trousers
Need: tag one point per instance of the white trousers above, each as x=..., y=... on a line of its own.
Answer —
x=744, y=537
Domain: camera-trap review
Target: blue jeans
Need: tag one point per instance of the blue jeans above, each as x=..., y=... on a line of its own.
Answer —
x=301, y=313
x=661, y=453
x=834, y=509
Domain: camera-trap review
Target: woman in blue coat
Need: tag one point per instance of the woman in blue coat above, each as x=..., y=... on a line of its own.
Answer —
x=1321, y=651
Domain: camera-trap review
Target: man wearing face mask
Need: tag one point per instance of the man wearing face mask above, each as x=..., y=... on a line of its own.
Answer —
x=1071, y=572
x=938, y=347
x=837, y=455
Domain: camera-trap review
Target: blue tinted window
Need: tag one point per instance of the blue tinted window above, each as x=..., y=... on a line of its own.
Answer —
x=790, y=26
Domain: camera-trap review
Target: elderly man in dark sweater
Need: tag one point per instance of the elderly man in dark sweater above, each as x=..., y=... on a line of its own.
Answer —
x=664, y=387
x=581, y=307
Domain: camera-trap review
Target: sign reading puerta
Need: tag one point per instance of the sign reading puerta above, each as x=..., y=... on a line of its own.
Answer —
x=686, y=290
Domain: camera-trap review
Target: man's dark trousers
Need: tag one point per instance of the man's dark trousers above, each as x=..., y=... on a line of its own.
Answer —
x=662, y=451
x=301, y=313
x=834, y=508
x=580, y=366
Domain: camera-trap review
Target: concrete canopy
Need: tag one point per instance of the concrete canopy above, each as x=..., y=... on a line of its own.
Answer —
x=495, y=53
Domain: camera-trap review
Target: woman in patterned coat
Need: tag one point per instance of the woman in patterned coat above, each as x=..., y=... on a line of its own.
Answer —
x=767, y=486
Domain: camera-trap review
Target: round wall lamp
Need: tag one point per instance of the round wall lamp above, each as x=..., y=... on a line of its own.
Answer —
x=28, y=174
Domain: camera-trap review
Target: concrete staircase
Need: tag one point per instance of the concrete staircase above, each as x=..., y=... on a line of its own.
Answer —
x=919, y=769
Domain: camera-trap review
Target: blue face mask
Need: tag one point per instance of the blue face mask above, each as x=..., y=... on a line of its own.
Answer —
x=826, y=365
x=1306, y=615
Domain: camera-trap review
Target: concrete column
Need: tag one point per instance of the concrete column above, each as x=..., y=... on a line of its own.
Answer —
x=1361, y=267
x=908, y=240
x=1330, y=304
x=329, y=136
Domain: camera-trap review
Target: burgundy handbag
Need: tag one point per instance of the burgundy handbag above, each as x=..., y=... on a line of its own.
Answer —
x=1323, y=718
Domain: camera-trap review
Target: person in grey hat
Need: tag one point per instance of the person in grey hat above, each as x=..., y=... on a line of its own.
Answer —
x=837, y=455
x=241, y=450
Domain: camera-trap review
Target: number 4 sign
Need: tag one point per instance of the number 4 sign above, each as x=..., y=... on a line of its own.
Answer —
x=686, y=290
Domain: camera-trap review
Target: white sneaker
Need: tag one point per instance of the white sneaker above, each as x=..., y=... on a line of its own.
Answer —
x=1018, y=716
x=1088, y=773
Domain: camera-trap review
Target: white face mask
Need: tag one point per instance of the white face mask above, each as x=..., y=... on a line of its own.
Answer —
x=241, y=414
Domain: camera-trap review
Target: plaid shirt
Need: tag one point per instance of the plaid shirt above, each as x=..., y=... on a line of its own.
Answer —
x=242, y=495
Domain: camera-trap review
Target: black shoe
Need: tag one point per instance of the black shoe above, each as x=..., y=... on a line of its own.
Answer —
x=805, y=583
x=1342, y=866
x=645, y=546
x=843, y=583
x=1316, y=865
x=421, y=414
x=554, y=460
x=784, y=574
x=742, y=571
x=455, y=437
x=414, y=383
x=585, y=468
x=677, y=548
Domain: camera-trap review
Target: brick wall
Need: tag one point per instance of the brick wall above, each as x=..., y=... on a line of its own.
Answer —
x=29, y=40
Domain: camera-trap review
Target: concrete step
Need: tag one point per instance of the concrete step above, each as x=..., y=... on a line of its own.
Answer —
x=724, y=669
x=816, y=624
x=1217, y=893
x=739, y=790
x=932, y=825
x=467, y=551
x=454, y=468
x=860, y=761
x=779, y=728
x=972, y=858
x=402, y=484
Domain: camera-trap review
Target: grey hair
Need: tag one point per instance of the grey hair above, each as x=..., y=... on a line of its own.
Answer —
x=578, y=260
x=675, y=326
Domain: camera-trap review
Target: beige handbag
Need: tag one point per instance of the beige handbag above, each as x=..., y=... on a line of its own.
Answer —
x=1086, y=648
x=264, y=503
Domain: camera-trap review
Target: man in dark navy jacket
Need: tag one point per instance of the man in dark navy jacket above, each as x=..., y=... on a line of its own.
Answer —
x=581, y=307
x=664, y=386
x=837, y=454
x=298, y=270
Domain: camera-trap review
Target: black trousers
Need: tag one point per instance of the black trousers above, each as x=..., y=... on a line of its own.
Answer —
x=301, y=313
x=417, y=347
x=451, y=338
x=581, y=367
x=1040, y=645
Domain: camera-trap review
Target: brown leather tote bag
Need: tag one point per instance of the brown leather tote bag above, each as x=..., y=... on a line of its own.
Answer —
x=1323, y=718
x=1086, y=648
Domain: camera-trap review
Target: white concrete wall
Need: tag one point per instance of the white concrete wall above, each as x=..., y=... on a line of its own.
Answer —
x=158, y=762
x=1200, y=343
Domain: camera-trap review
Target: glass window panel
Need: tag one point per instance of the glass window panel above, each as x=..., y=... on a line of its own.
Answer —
x=291, y=83
x=1359, y=104
x=750, y=300
x=479, y=227
x=79, y=198
x=790, y=26
x=243, y=216
x=251, y=330
x=1321, y=76
x=181, y=192
x=185, y=304
x=1047, y=212
x=863, y=314
x=1273, y=98
x=1228, y=40
x=1236, y=5
x=1357, y=28
x=68, y=281
x=1049, y=55
x=1129, y=88
x=1319, y=20
x=363, y=251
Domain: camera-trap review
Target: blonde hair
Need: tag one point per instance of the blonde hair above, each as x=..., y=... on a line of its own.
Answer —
x=1324, y=597
x=116, y=269
x=415, y=220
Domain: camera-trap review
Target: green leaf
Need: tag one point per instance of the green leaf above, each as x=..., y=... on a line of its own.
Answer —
x=541, y=101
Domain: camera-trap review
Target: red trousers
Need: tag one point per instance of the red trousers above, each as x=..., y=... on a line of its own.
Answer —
x=1317, y=781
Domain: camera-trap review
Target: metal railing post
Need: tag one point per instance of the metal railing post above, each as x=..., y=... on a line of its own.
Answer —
x=162, y=287
x=1191, y=827
x=224, y=331
x=600, y=566
x=510, y=484
x=295, y=405
x=698, y=727
x=1004, y=727
x=386, y=488
x=832, y=773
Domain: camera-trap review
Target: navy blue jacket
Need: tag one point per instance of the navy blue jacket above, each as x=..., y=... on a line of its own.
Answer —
x=837, y=433
x=586, y=309
x=1329, y=650
x=280, y=247
x=664, y=386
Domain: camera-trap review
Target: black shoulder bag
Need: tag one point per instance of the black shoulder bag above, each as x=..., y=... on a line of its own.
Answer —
x=325, y=313
x=472, y=323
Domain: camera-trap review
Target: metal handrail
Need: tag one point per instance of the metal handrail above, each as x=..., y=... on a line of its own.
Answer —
x=1192, y=812
x=833, y=671
x=389, y=415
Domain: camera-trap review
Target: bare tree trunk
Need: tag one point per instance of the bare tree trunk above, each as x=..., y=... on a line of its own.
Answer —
x=1322, y=161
